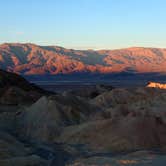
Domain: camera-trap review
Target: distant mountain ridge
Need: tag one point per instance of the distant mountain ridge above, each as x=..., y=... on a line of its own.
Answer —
x=31, y=59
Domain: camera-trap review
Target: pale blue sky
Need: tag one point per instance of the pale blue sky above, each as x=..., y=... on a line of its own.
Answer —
x=82, y=24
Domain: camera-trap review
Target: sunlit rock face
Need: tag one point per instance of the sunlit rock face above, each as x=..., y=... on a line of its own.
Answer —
x=156, y=85
x=31, y=59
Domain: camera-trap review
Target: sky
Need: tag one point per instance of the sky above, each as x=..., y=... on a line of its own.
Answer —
x=84, y=24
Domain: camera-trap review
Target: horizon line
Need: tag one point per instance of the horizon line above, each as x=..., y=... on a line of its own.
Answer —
x=81, y=47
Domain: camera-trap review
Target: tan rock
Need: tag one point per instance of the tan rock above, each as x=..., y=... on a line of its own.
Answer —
x=156, y=85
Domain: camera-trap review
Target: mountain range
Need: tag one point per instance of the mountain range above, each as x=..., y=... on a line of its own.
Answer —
x=31, y=59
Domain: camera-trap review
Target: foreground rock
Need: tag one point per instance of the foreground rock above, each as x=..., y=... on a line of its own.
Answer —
x=126, y=134
x=14, y=89
x=13, y=152
x=119, y=120
x=139, y=158
x=45, y=119
x=77, y=128
x=24, y=161
x=15, y=94
x=130, y=119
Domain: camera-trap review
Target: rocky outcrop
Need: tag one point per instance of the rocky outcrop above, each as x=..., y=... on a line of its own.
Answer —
x=156, y=85
x=45, y=119
x=30, y=160
x=15, y=94
x=8, y=79
x=118, y=135
x=130, y=119
x=139, y=158
x=115, y=121
x=80, y=126
x=14, y=152
x=14, y=89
